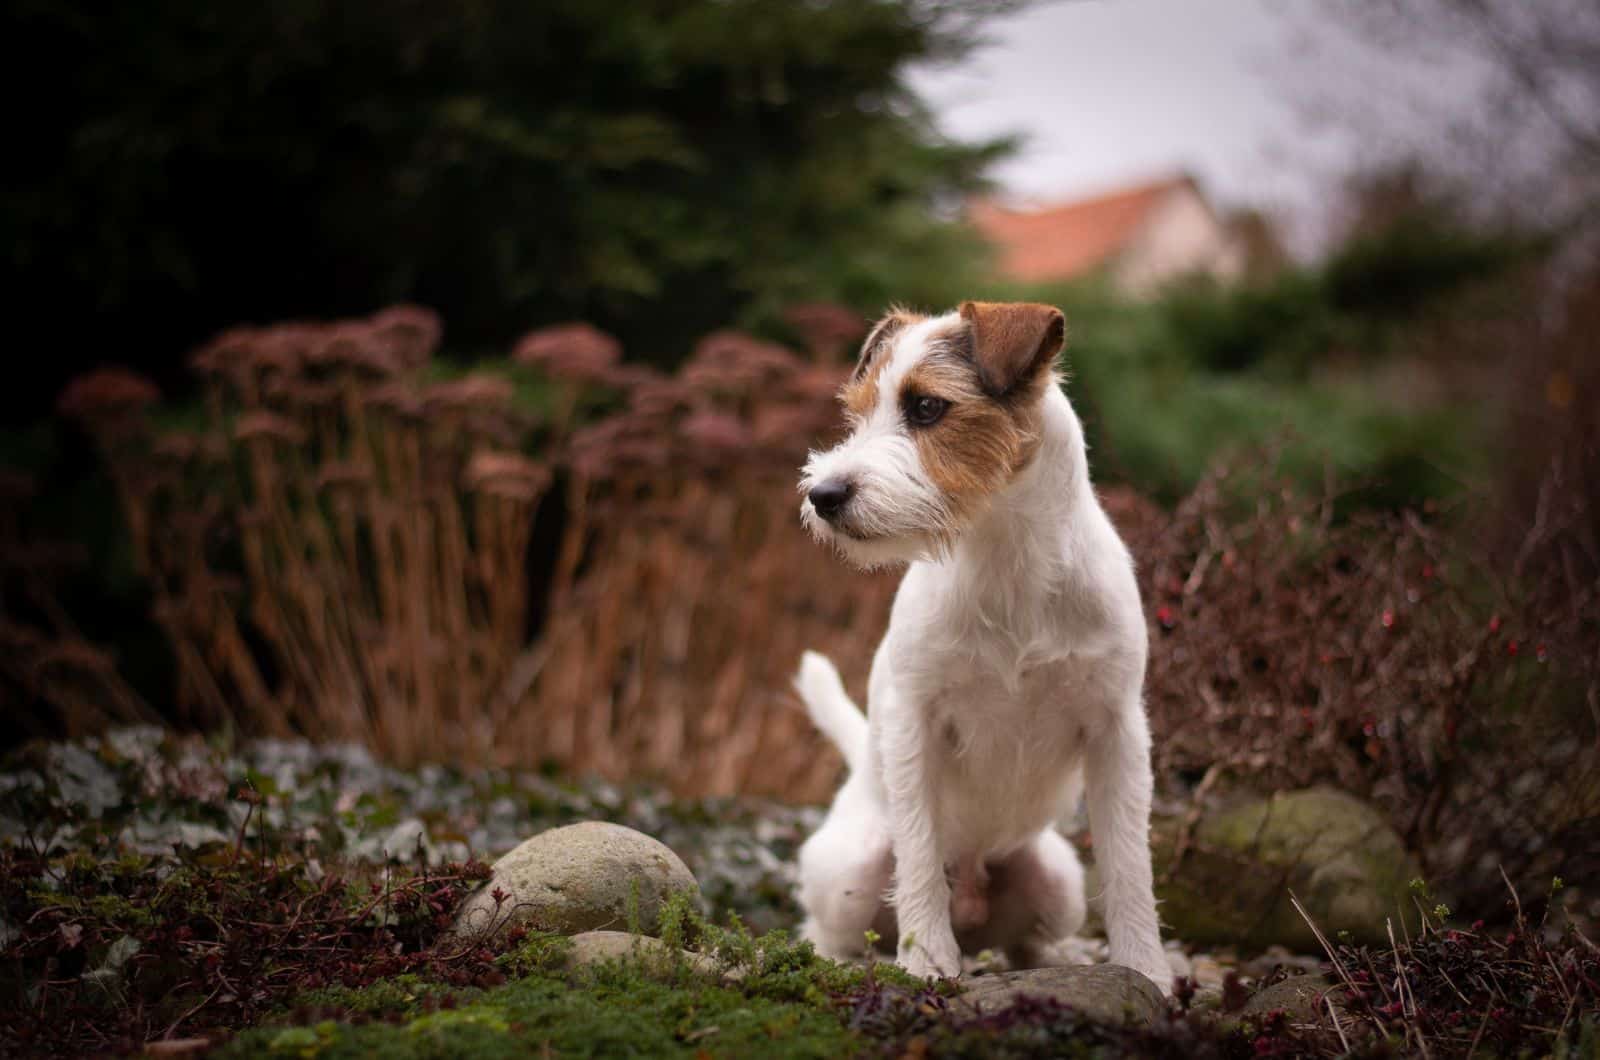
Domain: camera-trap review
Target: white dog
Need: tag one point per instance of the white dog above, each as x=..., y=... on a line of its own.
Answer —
x=1010, y=678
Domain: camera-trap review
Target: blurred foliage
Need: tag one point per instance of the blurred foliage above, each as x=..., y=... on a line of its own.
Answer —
x=1296, y=360
x=659, y=168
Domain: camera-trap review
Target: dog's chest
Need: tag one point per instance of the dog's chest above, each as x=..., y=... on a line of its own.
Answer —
x=1040, y=713
x=1004, y=752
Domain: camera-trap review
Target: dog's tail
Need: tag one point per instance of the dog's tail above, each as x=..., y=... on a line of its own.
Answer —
x=831, y=708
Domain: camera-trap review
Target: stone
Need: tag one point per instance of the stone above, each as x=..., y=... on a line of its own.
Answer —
x=1275, y=957
x=1300, y=998
x=589, y=948
x=1337, y=854
x=1207, y=973
x=579, y=878
x=1105, y=993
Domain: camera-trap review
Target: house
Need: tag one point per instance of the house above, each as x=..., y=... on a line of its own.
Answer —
x=1138, y=237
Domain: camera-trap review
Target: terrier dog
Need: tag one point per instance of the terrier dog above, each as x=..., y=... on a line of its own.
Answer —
x=1010, y=679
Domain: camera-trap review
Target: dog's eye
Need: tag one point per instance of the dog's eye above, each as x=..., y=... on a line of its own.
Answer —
x=924, y=411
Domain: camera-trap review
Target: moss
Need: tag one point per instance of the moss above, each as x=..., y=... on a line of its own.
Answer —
x=781, y=1000
x=404, y=995
x=611, y=1010
x=541, y=951
x=1333, y=851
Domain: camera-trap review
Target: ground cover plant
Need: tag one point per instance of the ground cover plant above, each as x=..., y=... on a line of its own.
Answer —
x=288, y=900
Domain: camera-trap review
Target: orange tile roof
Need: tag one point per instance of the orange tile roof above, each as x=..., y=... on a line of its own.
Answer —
x=1060, y=242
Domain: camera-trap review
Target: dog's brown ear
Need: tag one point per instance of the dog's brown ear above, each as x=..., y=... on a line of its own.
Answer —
x=879, y=337
x=1013, y=341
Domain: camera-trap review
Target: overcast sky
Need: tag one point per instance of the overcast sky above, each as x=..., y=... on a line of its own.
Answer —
x=1112, y=91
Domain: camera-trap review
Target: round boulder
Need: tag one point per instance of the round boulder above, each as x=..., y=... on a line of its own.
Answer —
x=1301, y=998
x=583, y=877
x=1232, y=885
x=1105, y=993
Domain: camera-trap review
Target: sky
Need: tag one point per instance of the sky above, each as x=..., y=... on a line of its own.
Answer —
x=1236, y=92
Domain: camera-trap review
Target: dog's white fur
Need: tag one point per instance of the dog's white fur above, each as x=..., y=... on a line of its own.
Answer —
x=1009, y=682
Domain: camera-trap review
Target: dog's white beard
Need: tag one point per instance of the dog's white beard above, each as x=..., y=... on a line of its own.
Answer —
x=895, y=516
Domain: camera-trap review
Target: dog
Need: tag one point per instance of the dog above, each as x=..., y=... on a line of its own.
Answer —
x=1010, y=679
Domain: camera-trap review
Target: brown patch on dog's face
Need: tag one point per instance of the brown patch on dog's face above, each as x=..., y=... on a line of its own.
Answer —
x=992, y=371
x=861, y=392
x=979, y=443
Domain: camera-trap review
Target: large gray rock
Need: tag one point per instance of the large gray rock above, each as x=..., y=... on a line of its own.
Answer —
x=1299, y=997
x=582, y=877
x=1105, y=993
x=1337, y=854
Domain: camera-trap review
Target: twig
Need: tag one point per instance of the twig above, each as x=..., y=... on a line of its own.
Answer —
x=208, y=999
x=1327, y=947
x=1333, y=1011
x=1479, y=1035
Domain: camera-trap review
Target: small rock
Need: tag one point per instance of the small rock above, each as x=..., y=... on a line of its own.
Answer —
x=1337, y=854
x=595, y=947
x=578, y=878
x=1279, y=956
x=1106, y=993
x=1206, y=972
x=1300, y=997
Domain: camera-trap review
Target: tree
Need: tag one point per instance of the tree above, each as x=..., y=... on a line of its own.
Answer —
x=659, y=167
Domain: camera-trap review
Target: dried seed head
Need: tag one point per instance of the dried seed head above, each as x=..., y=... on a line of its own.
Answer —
x=409, y=333
x=268, y=425
x=579, y=352
x=827, y=328
x=106, y=392
x=506, y=474
x=737, y=363
x=715, y=431
x=476, y=391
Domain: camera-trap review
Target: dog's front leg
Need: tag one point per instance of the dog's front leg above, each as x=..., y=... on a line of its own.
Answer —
x=921, y=891
x=1117, y=769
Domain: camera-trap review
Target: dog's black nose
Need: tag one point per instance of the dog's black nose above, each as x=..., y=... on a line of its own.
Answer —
x=830, y=496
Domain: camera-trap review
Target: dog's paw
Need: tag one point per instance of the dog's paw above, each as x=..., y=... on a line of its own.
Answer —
x=941, y=960
x=1155, y=967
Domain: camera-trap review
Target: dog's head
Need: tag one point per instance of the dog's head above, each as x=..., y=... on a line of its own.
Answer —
x=945, y=411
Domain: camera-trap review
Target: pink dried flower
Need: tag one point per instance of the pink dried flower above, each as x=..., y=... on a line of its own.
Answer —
x=576, y=351
x=268, y=425
x=827, y=328
x=476, y=390
x=396, y=396
x=506, y=474
x=715, y=430
x=791, y=425
x=661, y=397
x=736, y=362
x=409, y=333
x=818, y=382
x=114, y=391
x=226, y=352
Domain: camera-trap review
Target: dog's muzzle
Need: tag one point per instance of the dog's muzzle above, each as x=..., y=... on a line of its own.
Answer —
x=830, y=496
